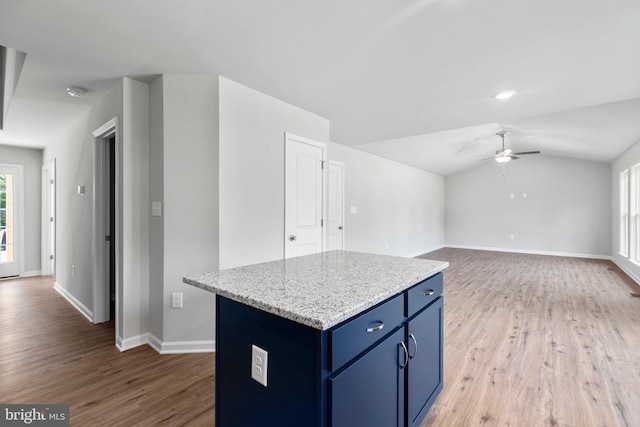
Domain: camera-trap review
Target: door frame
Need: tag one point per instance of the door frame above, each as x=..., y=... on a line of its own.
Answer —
x=101, y=291
x=18, y=212
x=48, y=227
x=288, y=136
x=344, y=233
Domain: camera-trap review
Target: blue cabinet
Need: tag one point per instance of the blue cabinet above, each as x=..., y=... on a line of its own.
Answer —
x=383, y=367
x=371, y=391
x=424, y=370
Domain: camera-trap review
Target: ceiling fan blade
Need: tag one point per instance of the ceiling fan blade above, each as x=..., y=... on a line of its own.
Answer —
x=487, y=158
x=514, y=157
x=526, y=152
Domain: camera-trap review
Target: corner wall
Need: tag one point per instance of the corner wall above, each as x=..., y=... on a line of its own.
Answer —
x=184, y=239
x=400, y=209
x=566, y=210
x=252, y=129
x=127, y=100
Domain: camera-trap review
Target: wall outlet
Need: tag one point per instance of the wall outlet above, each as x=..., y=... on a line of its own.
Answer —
x=259, y=358
x=512, y=237
x=73, y=269
x=176, y=300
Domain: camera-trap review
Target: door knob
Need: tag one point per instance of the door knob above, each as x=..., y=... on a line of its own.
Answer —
x=292, y=238
x=340, y=228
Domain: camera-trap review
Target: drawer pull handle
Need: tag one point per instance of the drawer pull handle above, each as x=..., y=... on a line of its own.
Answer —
x=406, y=355
x=415, y=345
x=429, y=293
x=376, y=328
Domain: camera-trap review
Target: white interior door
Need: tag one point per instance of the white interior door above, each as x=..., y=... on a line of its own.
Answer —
x=335, y=206
x=10, y=220
x=303, y=196
x=48, y=218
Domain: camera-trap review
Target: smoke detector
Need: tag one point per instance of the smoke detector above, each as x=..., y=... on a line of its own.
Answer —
x=76, y=92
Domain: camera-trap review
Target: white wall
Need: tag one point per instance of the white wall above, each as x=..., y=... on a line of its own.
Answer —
x=566, y=211
x=252, y=128
x=400, y=209
x=73, y=150
x=156, y=193
x=134, y=190
x=31, y=159
x=630, y=158
x=190, y=205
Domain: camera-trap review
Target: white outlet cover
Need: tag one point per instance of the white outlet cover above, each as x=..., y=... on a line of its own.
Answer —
x=259, y=359
x=353, y=209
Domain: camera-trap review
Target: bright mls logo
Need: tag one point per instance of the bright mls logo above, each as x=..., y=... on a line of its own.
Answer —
x=34, y=415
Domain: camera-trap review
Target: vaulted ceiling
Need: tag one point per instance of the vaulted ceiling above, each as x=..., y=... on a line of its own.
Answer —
x=411, y=80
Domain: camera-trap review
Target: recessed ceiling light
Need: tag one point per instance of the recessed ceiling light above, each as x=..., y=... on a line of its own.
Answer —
x=506, y=94
x=76, y=92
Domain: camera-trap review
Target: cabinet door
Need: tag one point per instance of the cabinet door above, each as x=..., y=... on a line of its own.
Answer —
x=370, y=392
x=424, y=371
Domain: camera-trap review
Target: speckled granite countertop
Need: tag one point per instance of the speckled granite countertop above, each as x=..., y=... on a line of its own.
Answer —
x=319, y=290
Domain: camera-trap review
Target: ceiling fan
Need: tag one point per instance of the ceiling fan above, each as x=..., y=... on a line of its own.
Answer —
x=506, y=154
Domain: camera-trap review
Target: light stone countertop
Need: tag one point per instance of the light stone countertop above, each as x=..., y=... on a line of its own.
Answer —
x=319, y=290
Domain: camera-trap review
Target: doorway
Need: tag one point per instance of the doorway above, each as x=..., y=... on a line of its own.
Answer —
x=105, y=225
x=11, y=220
x=110, y=212
x=335, y=206
x=304, y=196
x=49, y=219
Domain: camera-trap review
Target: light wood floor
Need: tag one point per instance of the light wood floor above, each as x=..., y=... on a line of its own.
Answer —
x=538, y=341
x=50, y=353
x=529, y=341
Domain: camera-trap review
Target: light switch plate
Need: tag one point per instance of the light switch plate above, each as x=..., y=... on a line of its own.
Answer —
x=259, y=359
x=176, y=300
x=156, y=208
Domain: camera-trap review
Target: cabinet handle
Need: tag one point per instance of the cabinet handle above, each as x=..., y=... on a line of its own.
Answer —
x=376, y=328
x=406, y=355
x=415, y=344
x=429, y=293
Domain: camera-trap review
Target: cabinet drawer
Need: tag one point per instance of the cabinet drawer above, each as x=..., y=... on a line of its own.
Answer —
x=423, y=294
x=355, y=336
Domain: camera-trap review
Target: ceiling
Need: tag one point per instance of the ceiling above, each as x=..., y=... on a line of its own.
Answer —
x=411, y=80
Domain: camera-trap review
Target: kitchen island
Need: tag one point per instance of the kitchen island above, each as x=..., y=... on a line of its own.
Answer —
x=331, y=339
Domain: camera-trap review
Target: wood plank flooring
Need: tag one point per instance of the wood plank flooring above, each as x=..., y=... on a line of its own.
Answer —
x=50, y=353
x=529, y=341
x=536, y=340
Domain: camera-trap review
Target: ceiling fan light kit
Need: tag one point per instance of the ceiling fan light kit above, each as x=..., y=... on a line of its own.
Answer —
x=507, y=154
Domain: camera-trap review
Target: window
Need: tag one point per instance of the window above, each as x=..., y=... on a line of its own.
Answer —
x=6, y=218
x=634, y=213
x=630, y=213
x=624, y=212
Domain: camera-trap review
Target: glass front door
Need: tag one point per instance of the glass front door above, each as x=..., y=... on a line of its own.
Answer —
x=8, y=218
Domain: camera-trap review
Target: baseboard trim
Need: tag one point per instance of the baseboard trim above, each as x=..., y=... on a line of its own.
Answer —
x=531, y=252
x=417, y=254
x=626, y=271
x=74, y=301
x=178, y=347
x=32, y=273
x=132, y=342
